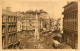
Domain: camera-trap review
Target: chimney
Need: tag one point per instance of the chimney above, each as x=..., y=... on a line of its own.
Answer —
x=68, y=2
x=8, y=8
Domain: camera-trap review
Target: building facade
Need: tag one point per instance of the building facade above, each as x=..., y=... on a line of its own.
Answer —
x=44, y=20
x=28, y=23
x=29, y=20
x=9, y=29
x=70, y=24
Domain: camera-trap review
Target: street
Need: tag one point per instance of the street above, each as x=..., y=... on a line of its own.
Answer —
x=45, y=44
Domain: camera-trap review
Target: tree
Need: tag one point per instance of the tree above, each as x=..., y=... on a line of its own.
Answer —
x=51, y=23
x=58, y=25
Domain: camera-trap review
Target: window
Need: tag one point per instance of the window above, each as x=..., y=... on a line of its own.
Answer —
x=70, y=15
x=15, y=19
x=12, y=28
x=76, y=26
x=4, y=18
x=66, y=16
x=67, y=24
x=14, y=37
x=9, y=39
x=12, y=19
x=9, y=19
x=9, y=28
x=73, y=15
x=15, y=28
x=76, y=15
x=3, y=29
x=73, y=25
x=70, y=25
x=3, y=41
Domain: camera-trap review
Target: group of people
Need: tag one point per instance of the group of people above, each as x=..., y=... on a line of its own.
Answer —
x=21, y=46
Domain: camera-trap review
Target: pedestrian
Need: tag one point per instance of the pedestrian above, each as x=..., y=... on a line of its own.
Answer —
x=27, y=46
x=20, y=47
x=48, y=43
x=35, y=46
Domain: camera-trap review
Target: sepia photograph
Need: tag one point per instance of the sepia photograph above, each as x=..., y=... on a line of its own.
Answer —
x=39, y=24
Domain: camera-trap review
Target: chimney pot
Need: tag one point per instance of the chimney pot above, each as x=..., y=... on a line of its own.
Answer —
x=8, y=8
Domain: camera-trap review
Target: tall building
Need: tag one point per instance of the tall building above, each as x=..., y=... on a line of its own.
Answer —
x=9, y=29
x=70, y=24
x=44, y=20
x=29, y=20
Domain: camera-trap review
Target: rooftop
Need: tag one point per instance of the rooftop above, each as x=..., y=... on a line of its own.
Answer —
x=9, y=13
x=34, y=12
x=69, y=3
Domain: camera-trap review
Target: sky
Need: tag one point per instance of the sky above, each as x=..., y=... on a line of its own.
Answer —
x=53, y=7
